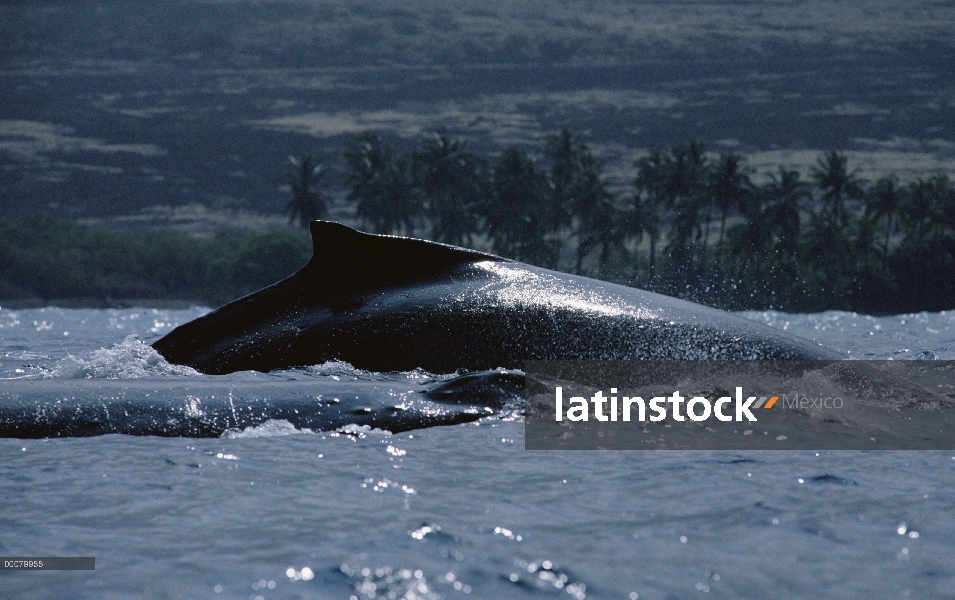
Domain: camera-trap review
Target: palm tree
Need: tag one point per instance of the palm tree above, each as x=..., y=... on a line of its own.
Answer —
x=594, y=209
x=925, y=258
x=687, y=170
x=837, y=185
x=452, y=181
x=634, y=224
x=515, y=217
x=945, y=208
x=751, y=241
x=579, y=190
x=916, y=212
x=650, y=201
x=301, y=177
x=380, y=184
x=366, y=159
x=865, y=239
x=563, y=149
x=685, y=176
x=605, y=231
x=942, y=211
x=729, y=186
x=365, y=156
x=784, y=196
x=884, y=201
x=403, y=196
x=827, y=258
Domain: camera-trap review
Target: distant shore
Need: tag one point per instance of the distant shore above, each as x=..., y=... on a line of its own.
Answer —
x=117, y=303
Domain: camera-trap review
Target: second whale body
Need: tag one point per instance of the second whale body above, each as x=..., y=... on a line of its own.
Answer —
x=385, y=303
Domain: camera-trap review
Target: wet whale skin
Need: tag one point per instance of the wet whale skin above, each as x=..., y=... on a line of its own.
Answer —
x=385, y=303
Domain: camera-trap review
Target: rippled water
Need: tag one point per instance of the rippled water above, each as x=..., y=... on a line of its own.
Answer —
x=920, y=336
x=456, y=511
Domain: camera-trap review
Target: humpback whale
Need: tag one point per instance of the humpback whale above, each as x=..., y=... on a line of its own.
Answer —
x=386, y=303
x=210, y=407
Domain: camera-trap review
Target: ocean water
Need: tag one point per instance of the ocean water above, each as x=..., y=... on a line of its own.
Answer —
x=453, y=511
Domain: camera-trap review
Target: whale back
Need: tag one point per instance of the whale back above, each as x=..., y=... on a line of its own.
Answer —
x=387, y=303
x=346, y=265
x=353, y=262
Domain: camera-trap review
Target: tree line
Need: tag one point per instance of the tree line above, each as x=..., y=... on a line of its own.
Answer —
x=44, y=258
x=692, y=224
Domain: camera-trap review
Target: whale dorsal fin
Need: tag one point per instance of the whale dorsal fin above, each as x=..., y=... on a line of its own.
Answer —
x=341, y=250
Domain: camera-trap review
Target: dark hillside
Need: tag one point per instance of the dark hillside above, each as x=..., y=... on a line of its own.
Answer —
x=113, y=107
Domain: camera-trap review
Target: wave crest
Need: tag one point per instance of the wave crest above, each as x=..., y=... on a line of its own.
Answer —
x=270, y=428
x=130, y=359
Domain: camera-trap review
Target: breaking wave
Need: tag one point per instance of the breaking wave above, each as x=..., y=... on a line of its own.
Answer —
x=271, y=428
x=130, y=359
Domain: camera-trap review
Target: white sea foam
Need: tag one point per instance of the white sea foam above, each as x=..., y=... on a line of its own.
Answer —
x=130, y=359
x=340, y=370
x=361, y=431
x=271, y=428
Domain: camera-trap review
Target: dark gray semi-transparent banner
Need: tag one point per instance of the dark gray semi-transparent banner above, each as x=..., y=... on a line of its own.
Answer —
x=740, y=405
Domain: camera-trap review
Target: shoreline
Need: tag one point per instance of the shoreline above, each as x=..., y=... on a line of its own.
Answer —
x=100, y=303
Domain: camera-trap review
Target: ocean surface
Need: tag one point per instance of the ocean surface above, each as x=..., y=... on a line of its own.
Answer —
x=452, y=511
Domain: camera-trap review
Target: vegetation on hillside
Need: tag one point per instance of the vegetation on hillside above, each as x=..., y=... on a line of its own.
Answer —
x=45, y=258
x=692, y=225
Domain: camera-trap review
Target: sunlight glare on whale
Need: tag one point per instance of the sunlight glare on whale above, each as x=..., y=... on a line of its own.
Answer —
x=386, y=303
